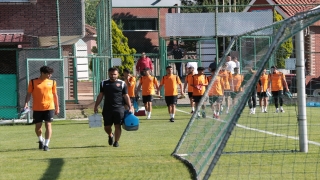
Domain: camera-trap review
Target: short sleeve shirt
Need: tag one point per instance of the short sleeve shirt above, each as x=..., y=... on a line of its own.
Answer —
x=170, y=84
x=199, y=79
x=42, y=93
x=264, y=83
x=188, y=79
x=276, y=81
x=217, y=87
x=132, y=86
x=113, y=92
x=147, y=84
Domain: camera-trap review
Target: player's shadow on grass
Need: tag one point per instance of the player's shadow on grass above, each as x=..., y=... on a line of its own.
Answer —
x=54, y=169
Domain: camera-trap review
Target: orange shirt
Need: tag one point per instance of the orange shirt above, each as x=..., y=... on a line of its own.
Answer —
x=237, y=80
x=189, y=80
x=264, y=83
x=147, y=84
x=217, y=87
x=276, y=81
x=170, y=84
x=199, y=79
x=227, y=76
x=42, y=93
x=132, y=86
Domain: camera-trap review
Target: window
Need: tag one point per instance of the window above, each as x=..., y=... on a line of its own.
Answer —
x=140, y=24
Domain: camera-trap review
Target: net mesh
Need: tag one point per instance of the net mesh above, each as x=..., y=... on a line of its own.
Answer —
x=260, y=145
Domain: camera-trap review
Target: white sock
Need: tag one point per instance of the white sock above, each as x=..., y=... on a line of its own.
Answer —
x=46, y=142
x=149, y=114
x=192, y=108
x=265, y=108
x=217, y=113
x=281, y=107
x=40, y=138
x=172, y=115
x=254, y=109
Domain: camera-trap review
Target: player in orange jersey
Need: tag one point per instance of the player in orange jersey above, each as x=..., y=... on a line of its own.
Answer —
x=170, y=83
x=131, y=84
x=227, y=78
x=187, y=82
x=199, y=84
x=262, y=88
x=216, y=94
x=276, y=82
x=237, y=81
x=148, y=84
x=45, y=104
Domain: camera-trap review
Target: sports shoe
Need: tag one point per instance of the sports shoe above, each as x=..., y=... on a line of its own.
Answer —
x=46, y=148
x=277, y=111
x=192, y=112
x=204, y=115
x=198, y=114
x=281, y=110
x=40, y=144
x=171, y=119
x=148, y=117
x=110, y=140
x=116, y=144
x=265, y=111
x=262, y=110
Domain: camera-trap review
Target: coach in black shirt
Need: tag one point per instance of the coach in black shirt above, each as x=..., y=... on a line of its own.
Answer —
x=114, y=92
x=178, y=53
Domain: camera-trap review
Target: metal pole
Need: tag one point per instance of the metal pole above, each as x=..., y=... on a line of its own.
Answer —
x=301, y=94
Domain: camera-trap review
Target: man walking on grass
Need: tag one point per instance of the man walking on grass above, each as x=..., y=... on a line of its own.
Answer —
x=45, y=104
x=148, y=84
x=170, y=82
x=114, y=92
x=199, y=84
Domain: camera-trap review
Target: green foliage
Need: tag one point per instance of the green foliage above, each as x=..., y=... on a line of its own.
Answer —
x=90, y=9
x=121, y=49
x=286, y=48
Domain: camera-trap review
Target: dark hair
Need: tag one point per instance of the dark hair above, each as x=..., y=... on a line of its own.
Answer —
x=113, y=69
x=168, y=67
x=46, y=69
x=126, y=71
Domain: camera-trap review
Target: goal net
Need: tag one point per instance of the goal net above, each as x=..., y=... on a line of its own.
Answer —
x=225, y=139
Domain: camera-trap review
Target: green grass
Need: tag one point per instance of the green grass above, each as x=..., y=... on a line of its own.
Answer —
x=80, y=152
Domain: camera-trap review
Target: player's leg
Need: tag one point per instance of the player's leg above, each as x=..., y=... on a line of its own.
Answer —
x=254, y=102
x=281, y=100
x=107, y=122
x=48, y=118
x=37, y=120
x=118, y=116
x=275, y=96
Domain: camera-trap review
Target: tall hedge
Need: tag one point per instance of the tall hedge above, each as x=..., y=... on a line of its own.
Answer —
x=286, y=48
x=121, y=49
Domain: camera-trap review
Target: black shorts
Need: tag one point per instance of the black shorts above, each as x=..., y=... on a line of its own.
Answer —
x=190, y=94
x=262, y=94
x=227, y=93
x=276, y=94
x=213, y=99
x=233, y=94
x=196, y=98
x=40, y=116
x=113, y=117
x=146, y=99
x=171, y=100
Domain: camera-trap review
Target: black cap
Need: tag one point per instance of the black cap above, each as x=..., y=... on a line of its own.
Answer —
x=275, y=67
x=200, y=68
x=146, y=69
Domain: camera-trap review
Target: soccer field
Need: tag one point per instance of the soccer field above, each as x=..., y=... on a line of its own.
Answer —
x=262, y=145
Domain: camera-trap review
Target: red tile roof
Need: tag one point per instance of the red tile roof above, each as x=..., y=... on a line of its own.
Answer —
x=291, y=7
x=90, y=30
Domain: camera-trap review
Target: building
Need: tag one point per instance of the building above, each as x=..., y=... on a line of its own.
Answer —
x=288, y=8
x=143, y=23
x=29, y=29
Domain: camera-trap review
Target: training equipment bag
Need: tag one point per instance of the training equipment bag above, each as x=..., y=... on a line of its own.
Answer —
x=130, y=122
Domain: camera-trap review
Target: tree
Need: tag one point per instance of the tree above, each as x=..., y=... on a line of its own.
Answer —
x=285, y=49
x=120, y=46
x=119, y=41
